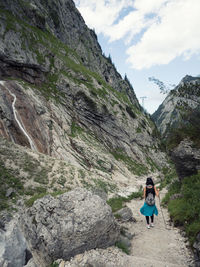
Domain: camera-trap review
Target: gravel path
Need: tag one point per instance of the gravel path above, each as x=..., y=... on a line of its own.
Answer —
x=158, y=246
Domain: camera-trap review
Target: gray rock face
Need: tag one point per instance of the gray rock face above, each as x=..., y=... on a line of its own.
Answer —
x=68, y=225
x=125, y=215
x=12, y=245
x=196, y=247
x=185, y=97
x=64, y=21
x=68, y=85
x=186, y=158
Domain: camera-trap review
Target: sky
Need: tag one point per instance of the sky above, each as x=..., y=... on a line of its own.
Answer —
x=147, y=38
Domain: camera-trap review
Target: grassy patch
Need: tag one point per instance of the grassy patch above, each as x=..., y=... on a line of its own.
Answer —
x=185, y=211
x=169, y=176
x=105, y=186
x=30, y=201
x=54, y=264
x=134, y=167
x=33, y=190
x=8, y=179
x=117, y=203
x=152, y=164
x=123, y=247
x=75, y=129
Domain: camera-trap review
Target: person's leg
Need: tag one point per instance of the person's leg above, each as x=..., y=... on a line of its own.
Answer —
x=152, y=218
x=147, y=219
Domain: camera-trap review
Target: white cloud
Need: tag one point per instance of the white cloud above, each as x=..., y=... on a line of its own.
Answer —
x=177, y=34
x=169, y=28
x=102, y=14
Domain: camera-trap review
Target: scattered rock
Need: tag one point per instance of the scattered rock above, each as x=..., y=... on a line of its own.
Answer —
x=125, y=215
x=175, y=196
x=110, y=257
x=10, y=191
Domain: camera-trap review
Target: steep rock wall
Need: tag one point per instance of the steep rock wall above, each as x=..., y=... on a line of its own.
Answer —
x=70, y=99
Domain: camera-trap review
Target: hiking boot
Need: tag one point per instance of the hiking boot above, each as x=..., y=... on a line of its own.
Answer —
x=148, y=226
x=152, y=225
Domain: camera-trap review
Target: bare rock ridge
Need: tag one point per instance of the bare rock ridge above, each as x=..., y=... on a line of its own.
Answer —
x=185, y=96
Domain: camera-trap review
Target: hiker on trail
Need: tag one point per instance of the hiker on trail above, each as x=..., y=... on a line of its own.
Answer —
x=149, y=208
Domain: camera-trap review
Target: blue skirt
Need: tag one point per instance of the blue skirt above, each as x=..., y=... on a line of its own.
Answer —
x=147, y=210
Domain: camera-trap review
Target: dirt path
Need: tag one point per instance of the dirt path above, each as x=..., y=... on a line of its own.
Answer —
x=157, y=247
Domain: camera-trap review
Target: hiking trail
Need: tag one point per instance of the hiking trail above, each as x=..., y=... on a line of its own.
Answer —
x=157, y=246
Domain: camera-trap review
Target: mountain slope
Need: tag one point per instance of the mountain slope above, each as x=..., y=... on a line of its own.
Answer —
x=61, y=97
x=178, y=105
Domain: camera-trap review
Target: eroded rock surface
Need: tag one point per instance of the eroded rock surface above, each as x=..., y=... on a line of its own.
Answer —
x=186, y=158
x=68, y=225
x=111, y=257
x=12, y=244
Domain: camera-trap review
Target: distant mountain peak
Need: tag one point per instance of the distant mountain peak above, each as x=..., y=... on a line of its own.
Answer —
x=189, y=78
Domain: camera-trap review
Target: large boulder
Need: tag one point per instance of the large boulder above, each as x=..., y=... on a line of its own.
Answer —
x=186, y=158
x=68, y=225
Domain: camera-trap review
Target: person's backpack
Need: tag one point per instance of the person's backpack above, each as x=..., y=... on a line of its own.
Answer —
x=150, y=200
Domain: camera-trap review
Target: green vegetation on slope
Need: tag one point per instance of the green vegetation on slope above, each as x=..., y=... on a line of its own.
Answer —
x=117, y=203
x=46, y=48
x=133, y=166
x=188, y=128
x=8, y=180
x=185, y=209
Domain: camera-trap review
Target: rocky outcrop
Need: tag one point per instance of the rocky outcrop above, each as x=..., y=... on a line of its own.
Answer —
x=68, y=225
x=178, y=121
x=186, y=158
x=184, y=98
x=125, y=215
x=13, y=248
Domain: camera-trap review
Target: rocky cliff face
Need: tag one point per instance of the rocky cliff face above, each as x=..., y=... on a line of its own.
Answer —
x=178, y=121
x=60, y=96
x=180, y=101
